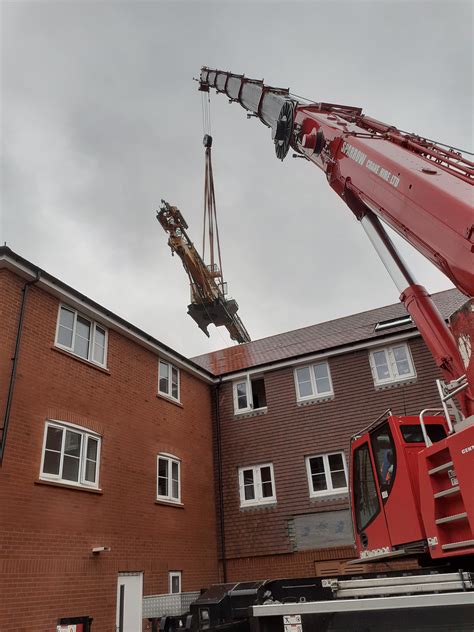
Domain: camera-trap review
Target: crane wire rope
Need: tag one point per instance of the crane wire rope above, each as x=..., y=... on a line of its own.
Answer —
x=210, y=212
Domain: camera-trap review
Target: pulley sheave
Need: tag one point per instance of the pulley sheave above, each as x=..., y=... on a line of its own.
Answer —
x=284, y=129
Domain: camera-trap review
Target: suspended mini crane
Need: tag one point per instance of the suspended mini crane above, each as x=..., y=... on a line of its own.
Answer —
x=209, y=301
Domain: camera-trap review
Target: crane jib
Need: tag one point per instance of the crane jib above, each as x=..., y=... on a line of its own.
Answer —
x=433, y=181
x=264, y=101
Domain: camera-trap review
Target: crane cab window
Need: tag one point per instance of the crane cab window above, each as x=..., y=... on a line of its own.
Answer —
x=413, y=433
x=366, y=501
x=385, y=459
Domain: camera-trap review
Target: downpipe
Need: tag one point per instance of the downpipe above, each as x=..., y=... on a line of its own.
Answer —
x=11, y=386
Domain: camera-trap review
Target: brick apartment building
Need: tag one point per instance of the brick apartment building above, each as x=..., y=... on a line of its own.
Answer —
x=232, y=464
x=108, y=444
x=287, y=407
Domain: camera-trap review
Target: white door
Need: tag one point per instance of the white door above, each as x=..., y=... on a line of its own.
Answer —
x=129, y=602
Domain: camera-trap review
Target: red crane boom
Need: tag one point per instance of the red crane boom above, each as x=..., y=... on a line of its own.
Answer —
x=423, y=190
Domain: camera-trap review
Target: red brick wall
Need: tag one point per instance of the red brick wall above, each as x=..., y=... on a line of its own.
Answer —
x=288, y=433
x=47, y=569
x=323, y=562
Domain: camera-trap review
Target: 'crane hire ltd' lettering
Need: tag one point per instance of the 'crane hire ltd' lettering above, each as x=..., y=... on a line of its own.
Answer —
x=358, y=156
x=353, y=153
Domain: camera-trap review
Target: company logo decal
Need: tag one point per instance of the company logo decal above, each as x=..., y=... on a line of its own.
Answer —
x=360, y=158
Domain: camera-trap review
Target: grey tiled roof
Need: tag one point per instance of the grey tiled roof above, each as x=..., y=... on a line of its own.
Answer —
x=331, y=334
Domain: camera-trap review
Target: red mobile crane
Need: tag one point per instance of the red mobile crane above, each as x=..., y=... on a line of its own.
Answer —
x=412, y=489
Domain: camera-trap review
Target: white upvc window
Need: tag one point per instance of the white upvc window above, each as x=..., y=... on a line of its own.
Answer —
x=249, y=394
x=391, y=364
x=313, y=381
x=327, y=474
x=174, y=582
x=81, y=336
x=168, y=380
x=168, y=484
x=70, y=455
x=257, y=485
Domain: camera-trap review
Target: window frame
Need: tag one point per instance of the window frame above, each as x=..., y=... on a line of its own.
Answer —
x=248, y=391
x=92, y=342
x=381, y=463
x=330, y=491
x=171, y=367
x=170, y=458
x=259, y=499
x=86, y=434
x=358, y=499
x=394, y=376
x=314, y=395
x=171, y=576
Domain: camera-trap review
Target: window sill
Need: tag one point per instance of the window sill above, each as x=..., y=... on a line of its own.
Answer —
x=251, y=413
x=257, y=506
x=395, y=383
x=79, y=488
x=81, y=360
x=329, y=496
x=169, y=399
x=314, y=400
x=169, y=503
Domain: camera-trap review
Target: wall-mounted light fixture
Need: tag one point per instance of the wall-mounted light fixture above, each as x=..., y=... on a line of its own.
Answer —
x=100, y=549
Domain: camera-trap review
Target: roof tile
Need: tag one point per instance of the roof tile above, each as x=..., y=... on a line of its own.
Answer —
x=317, y=338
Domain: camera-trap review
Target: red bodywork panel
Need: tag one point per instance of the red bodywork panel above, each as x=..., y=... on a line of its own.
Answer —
x=433, y=211
x=457, y=479
x=462, y=326
x=403, y=513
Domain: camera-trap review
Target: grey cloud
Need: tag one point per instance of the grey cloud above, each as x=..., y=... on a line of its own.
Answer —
x=101, y=119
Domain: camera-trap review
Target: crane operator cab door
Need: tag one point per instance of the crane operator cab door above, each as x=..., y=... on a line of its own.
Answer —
x=385, y=490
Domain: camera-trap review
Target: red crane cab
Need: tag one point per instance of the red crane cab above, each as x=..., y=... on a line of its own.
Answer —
x=411, y=488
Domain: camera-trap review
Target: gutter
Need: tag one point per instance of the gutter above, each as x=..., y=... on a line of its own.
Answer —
x=11, y=386
x=90, y=308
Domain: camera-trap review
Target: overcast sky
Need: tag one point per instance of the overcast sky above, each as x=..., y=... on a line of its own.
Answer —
x=101, y=119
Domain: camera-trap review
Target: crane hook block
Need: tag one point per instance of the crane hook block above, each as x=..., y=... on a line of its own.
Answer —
x=207, y=140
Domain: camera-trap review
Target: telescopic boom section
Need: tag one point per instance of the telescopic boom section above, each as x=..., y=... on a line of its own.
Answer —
x=423, y=190
x=209, y=304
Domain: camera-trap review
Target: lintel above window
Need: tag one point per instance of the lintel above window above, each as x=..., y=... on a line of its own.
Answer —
x=313, y=382
x=81, y=336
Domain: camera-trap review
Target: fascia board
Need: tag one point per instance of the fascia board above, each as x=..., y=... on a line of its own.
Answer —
x=322, y=355
x=80, y=302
